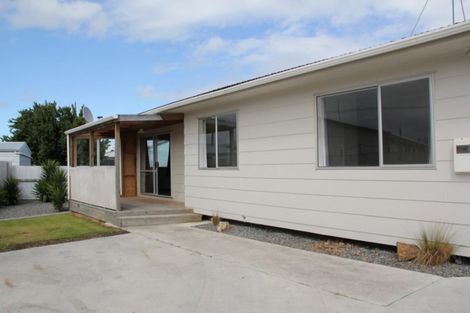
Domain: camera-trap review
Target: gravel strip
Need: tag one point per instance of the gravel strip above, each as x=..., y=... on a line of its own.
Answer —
x=26, y=208
x=372, y=253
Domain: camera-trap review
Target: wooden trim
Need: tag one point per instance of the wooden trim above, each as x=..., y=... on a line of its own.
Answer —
x=91, y=149
x=172, y=116
x=74, y=151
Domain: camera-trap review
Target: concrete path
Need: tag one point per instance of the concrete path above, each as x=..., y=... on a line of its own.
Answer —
x=176, y=268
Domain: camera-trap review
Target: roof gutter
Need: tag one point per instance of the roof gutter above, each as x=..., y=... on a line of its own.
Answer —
x=335, y=61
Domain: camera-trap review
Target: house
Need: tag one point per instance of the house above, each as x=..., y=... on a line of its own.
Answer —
x=15, y=152
x=358, y=146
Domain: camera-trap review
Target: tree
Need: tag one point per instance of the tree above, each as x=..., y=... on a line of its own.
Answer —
x=42, y=127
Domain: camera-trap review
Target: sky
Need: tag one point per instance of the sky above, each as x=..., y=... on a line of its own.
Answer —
x=127, y=56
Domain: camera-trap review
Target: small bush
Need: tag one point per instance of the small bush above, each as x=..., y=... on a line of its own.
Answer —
x=215, y=219
x=57, y=188
x=41, y=188
x=3, y=197
x=435, y=246
x=12, y=190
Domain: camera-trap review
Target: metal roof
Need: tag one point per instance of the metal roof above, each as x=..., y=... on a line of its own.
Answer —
x=12, y=146
x=391, y=46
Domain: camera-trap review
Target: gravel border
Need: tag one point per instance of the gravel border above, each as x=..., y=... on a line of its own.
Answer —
x=367, y=252
x=26, y=208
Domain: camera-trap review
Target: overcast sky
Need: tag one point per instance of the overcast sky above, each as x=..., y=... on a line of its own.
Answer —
x=126, y=56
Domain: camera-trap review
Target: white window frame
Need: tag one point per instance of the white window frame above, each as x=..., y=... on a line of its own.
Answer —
x=215, y=116
x=381, y=165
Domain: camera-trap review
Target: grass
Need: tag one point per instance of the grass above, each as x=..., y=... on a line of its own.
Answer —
x=44, y=230
x=435, y=246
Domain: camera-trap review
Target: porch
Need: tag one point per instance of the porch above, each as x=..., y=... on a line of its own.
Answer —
x=129, y=170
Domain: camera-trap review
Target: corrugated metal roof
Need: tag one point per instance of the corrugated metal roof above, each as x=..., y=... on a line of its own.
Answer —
x=12, y=146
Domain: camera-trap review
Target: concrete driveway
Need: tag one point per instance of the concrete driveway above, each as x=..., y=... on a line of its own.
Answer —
x=176, y=268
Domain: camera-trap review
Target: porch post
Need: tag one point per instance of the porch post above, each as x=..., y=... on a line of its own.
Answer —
x=91, y=149
x=68, y=167
x=74, y=151
x=117, y=163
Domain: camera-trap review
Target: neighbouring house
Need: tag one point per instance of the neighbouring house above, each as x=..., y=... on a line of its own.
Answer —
x=363, y=146
x=15, y=152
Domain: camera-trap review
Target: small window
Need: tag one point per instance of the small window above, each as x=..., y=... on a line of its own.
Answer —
x=218, y=141
x=406, y=128
x=350, y=134
x=105, y=147
x=83, y=149
x=349, y=129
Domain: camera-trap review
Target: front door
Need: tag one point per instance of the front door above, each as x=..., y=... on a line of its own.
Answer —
x=155, y=166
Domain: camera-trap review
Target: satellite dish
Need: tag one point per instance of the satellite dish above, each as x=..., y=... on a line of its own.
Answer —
x=87, y=115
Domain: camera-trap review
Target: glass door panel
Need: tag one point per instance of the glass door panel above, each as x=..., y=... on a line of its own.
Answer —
x=155, y=168
x=164, y=168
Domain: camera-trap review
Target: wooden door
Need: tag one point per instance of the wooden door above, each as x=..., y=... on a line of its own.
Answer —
x=129, y=164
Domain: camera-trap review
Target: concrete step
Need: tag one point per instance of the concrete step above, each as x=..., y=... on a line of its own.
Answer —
x=159, y=219
x=142, y=212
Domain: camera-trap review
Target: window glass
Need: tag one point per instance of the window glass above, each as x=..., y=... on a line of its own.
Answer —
x=106, y=154
x=348, y=129
x=406, y=128
x=207, y=142
x=83, y=156
x=218, y=141
x=227, y=140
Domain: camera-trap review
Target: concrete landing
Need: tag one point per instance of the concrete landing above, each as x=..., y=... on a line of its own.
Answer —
x=176, y=268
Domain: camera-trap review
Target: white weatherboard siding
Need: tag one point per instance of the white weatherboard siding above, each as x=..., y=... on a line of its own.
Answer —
x=278, y=182
x=177, y=168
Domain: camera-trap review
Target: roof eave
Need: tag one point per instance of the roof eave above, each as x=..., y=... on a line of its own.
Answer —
x=112, y=119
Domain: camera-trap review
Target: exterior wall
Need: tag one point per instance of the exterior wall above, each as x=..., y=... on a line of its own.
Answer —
x=177, y=150
x=278, y=182
x=28, y=176
x=11, y=157
x=24, y=160
x=94, y=185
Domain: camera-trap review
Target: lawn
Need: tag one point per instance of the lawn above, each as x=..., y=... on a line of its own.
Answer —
x=37, y=231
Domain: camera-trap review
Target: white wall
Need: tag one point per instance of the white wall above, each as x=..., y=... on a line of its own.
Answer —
x=94, y=185
x=177, y=150
x=27, y=176
x=11, y=157
x=278, y=182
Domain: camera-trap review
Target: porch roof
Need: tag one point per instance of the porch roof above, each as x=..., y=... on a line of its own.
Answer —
x=128, y=121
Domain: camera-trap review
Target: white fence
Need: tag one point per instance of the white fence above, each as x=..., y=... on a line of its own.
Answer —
x=27, y=176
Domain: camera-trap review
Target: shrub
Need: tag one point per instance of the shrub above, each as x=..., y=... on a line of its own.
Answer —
x=3, y=197
x=41, y=188
x=57, y=188
x=215, y=219
x=12, y=190
x=435, y=246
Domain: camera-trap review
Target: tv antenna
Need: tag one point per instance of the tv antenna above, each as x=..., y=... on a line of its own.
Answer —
x=462, y=7
x=87, y=115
